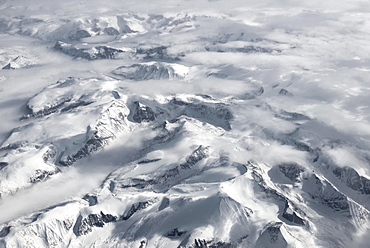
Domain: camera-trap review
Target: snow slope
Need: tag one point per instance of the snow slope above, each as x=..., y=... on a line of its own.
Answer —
x=184, y=124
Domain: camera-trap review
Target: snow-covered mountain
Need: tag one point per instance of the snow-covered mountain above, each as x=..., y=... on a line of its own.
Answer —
x=184, y=124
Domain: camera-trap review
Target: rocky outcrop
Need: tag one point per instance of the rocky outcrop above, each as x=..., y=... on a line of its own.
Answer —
x=162, y=181
x=79, y=34
x=136, y=207
x=148, y=71
x=15, y=145
x=142, y=113
x=98, y=52
x=325, y=193
x=200, y=153
x=111, y=122
x=48, y=109
x=271, y=236
x=18, y=63
x=42, y=175
x=155, y=53
x=91, y=199
x=84, y=226
x=284, y=92
x=50, y=154
x=174, y=233
x=5, y=231
x=290, y=215
x=352, y=179
x=215, y=114
x=3, y=165
x=289, y=212
x=292, y=171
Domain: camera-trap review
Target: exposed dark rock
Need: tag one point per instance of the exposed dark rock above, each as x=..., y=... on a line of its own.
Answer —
x=271, y=236
x=222, y=245
x=175, y=233
x=352, y=179
x=147, y=161
x=142, y=113
x=200, y=153
x=108, y=217
x=200, y=243
x=79, y=34
x=5, y=231
x=323, y=191
x=104, y=52
x=98, y=52
x=111, y=31
x=48, y=109
x=290, y=211
x=42, y=175
x=14, y=146
x=142, y=244
x=291, y=215
x=71, y=50
x=116, y=95
x=155, y=53
x=164, y=135
x=215, y=114
x=134, y=208
x=162, y=182
x=292, y=171
x=284, y=92
x=91, y=199
x=111, y=122
x=75, y=105
x=3, y=165
x=18, y=63
x=147, y=71
x=84, y=226
x=165, y=203
x=136, y=183
x=50, y=154
x=68, y=224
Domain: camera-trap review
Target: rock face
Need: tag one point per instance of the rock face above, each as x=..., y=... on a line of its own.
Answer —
x=3, y=165
x=292, y=171
x=18, y=63
x=181, y=129
x=136, y=207
x=200, y=153
x=98, y=52
x=155, y=53
x=161, y=181
x=142, y=113
x=151, y=71
x=352, y=179
x=85, y=225
x=110, y=123
x=42, y=175
x=324, y=192
x=291, y=215
x=215, y=114
x=271, y=236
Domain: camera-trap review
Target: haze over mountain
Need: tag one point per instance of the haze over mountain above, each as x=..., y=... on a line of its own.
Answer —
x=184, y=123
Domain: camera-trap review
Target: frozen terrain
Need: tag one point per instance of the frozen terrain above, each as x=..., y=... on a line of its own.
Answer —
x=184, y=123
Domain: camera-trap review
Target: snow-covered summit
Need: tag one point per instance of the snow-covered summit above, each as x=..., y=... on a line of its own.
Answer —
x=184, y=124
